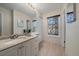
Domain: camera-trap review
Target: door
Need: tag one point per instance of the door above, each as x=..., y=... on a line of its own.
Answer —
x=0, y=24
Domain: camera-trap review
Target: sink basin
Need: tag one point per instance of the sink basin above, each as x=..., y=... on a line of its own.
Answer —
x=19, y=39
x=12, y=41
x=5, y=40
x=22, y=37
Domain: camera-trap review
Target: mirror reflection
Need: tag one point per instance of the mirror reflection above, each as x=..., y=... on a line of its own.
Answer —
x=13, y=18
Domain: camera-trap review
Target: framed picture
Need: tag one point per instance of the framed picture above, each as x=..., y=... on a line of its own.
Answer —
x=20, y=23
x=70, y=17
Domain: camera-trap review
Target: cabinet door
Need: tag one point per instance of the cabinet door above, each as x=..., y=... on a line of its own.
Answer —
x=35, y=46
x=9, y=52
x=28, y=48
x=34, y=50
x=21, y=50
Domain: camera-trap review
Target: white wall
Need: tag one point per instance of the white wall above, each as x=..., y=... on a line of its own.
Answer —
x=72, y=36
x=56, y=39
x=17, y=15
x=6, y=21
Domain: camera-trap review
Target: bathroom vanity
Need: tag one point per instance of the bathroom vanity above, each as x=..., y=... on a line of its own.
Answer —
x=21, y=46
x=14, y=22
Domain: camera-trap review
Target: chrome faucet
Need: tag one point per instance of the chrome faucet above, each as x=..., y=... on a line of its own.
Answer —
x=13, y=36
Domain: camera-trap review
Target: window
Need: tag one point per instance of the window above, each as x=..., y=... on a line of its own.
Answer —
x=53, y=25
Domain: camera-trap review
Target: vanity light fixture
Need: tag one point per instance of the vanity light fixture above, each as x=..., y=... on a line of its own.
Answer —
x=33, y=8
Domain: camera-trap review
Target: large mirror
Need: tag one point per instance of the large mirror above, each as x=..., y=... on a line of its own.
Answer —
x=13, y=17
x=5, y=22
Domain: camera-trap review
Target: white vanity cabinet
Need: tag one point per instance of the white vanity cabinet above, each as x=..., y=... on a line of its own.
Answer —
x=27, y=48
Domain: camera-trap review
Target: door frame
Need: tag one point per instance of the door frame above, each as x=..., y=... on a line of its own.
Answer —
x=1, y=22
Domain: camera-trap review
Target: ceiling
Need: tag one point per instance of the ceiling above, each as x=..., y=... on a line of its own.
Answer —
x=20, y=7
x=43, y=8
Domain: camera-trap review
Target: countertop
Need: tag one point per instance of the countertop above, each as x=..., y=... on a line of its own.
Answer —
x=6, y=43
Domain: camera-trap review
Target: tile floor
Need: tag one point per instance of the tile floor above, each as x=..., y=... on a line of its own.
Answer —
x=51, y=49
